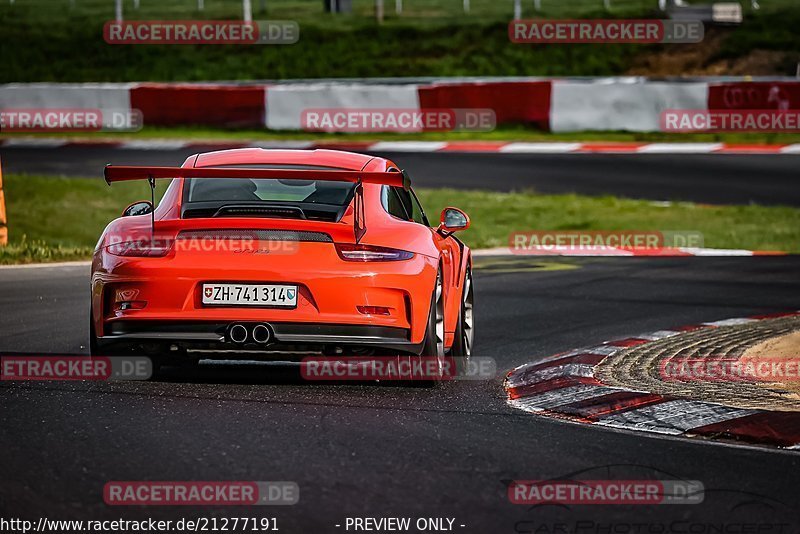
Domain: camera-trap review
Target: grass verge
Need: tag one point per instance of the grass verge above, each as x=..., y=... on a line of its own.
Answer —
x=58, y=219
x=432, y=40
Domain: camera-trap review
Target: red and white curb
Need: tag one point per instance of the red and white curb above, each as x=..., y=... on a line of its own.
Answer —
x=499, y=147
x=621, y=252
x=564, y=386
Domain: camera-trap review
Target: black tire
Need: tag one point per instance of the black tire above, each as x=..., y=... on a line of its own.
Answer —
x=433, y=344
x=93, y=345
x=461, y=351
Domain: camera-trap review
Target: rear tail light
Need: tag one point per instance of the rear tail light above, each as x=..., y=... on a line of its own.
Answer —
x=370, y=253
x=148, y=248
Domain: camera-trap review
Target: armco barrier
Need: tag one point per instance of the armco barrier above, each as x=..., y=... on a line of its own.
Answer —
x=285, y=103
x=563, y=105
x=512, y=102
x=236, y=106
x=633, y=107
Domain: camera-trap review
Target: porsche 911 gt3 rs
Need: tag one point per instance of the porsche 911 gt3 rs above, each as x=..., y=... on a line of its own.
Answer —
x=281, y=251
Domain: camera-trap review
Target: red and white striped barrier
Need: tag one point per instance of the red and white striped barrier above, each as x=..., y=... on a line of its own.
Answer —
x=564, y=386
x=562, y=105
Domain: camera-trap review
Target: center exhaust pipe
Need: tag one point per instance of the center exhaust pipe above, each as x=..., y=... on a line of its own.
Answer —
x=238, y=333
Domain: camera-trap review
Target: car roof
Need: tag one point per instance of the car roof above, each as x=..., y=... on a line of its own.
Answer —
x=260, y=156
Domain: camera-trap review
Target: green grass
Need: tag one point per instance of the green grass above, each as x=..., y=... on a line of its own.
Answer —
x=57, y=219
x=496, y=215
x=60, y=219
x=431, y=38
x=502, y=133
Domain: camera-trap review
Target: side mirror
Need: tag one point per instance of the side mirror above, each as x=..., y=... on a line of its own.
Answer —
x=143, y=207
x=453, y=220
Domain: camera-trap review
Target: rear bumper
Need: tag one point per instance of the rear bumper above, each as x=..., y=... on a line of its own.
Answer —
x=332, y=295
x=283, y=336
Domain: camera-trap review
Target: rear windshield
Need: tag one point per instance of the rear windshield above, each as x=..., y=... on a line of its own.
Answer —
x=269, y=190
x=320, y=200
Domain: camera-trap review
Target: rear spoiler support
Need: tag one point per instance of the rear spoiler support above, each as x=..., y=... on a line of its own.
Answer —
x=152, y=182
x=359, y=224
x=120, y=173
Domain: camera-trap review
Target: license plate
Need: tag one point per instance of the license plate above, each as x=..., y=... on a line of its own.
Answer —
x=250, y=295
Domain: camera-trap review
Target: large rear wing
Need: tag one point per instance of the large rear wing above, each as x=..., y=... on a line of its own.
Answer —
x=120, y=173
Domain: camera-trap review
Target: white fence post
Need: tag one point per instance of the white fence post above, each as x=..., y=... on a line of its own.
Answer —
x=118, y=14
x=379, y=11
x=466, y=6
x=537, y=5
x=201, y=5
x=517, y=9
x=398, y=6
x=247, y=8
x=607, y=4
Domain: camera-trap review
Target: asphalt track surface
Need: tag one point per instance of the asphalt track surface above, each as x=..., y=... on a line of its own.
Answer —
x=378, y=450
x=707, y=178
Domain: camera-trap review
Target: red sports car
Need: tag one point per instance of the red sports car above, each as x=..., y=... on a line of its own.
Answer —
x=280, y=251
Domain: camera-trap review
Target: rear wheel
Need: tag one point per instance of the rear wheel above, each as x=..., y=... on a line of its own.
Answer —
x=93, y=345
x=433, y=345
x=465, y=333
